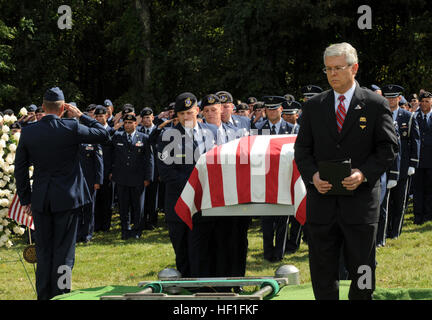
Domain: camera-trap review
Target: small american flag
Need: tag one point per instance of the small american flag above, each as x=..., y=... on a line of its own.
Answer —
x=253, y=169
x=17, y=213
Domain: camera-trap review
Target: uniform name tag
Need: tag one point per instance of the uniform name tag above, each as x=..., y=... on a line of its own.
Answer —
x=120, y=144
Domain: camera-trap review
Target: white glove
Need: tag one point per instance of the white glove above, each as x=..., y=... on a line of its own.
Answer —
x=411, y=171
x=391, y=184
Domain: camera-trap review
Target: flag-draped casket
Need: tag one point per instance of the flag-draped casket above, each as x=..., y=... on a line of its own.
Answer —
x=249, y=170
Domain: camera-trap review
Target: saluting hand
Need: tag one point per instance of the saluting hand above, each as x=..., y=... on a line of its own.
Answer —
x=74, y=112
x=354, y=180
x=321, y=185
x=97, y=186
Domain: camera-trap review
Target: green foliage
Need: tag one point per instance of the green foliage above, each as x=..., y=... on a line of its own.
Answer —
x=248, y=47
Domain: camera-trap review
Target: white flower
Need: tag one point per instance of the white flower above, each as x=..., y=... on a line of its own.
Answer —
x=10, y=158
x=9, y=244
x=23, y=111
x=1, y=118
x=11, y=169
x=4, y=238
x=13, y=119
x=17, y=136
x=5, y=137
x=18, y=230
x=6, y=178
x=5, y=128
x=4, y=203
x=3, y=213
x=6, y=118
x=12, y=147
x=2, y=183
x=7, y=232
x=2, y=144
x=1, y=227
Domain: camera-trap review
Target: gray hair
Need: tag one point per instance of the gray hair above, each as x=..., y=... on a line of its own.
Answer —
x=342, y=49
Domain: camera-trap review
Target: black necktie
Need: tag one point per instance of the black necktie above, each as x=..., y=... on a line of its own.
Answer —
x=273, y=130
x=129, y=138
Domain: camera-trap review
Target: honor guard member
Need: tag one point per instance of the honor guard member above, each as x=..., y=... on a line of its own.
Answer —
x=104, y=196
x=258, y=114
x=40, y=113
x=110, y=111
x=242, y=110
x=422, y=181
x=408, y=131
x=90, y=110
x=413, y=101
x=132, y=171
x=150, y=211
x=118, y=119
x=59, y=190
x=15, y=127
x=251, y=102
x=274, y=227
x=228, y=117
x=30, y=118
x=310, y=91
x=178, y=151
x=92, y=165
x=290, y=110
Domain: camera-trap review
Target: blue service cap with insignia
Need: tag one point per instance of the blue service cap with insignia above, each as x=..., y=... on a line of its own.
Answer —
x=403, y=101
x=252, y=100
x=242, y=106
x=374, y=87
x=209, y=100
x=31, y=108
x=108, y=103
x=15, y=125
x=289, y=97
x=100, y=110
x=146, y=112
x=273, y=102
x=258, y=105
x=311, y=90
x=392, y=90
x=225, y=97
x=290, y=107
x=54, y=94
x=185, y=101
x=128, y=108
x=129, y=117
x=425, y=94
x=91, y=107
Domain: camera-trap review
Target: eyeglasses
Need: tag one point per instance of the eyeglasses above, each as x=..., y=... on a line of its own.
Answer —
x=335, y=69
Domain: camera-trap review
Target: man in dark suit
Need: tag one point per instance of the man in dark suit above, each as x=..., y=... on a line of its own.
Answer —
x=132, y=171
x=179, y=149
x=347, y=122
x=422, y=182
x=59, y=190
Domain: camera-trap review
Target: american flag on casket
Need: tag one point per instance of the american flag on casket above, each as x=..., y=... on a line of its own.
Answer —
x=252, y=169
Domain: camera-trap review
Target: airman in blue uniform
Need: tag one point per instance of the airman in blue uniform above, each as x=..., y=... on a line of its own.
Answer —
x=59, y=189
x=409, y=153
x=104, y=196
x=179, y=148
x=422, y=182
x=132, y=171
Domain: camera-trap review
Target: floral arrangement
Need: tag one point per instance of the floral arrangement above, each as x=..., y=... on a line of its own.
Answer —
x=8, y=146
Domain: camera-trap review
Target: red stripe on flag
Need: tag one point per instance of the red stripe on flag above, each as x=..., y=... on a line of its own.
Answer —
x=215, y=177
x=301, y=210
x=300, y=214
x=195, y=183
x=243, y=170
x=184, y=212
x=272, y=175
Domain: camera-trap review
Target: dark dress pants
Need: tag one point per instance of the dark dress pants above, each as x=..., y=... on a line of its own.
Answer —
x=103, y=206
x=131, y=209
x=55, y=247
x=357, y=242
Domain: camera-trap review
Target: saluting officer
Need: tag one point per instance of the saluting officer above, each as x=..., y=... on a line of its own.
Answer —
x=104, y=196
x=290, y=113
x=179, y=148
x=30, y=118
x=409, y=152
x=40, y=113
x=310, y=91
x=422, y=182
x=132, y=171
x=274, y=227
x=92, y=165
x=110, y=110
x=150, y=213
x=228, y=117
x=242, y=110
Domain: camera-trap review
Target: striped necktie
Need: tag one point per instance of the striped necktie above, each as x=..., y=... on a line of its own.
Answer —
x=340, y=113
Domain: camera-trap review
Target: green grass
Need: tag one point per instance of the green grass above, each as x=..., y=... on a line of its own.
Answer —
x=107, y=260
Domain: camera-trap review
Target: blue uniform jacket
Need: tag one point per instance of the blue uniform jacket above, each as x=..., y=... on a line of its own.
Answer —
x=92, y=164
x=285, y=127
x=132, y=164
x=52, y=146
x=425, y=141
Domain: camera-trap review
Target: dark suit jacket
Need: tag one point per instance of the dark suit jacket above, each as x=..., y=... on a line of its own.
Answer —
x=425, y=141
x=371, y=149
x=92, y=164
x=52, y=146
x=131, y=164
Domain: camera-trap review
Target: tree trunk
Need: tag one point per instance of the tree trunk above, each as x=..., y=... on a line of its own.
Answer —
x=143, y=10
